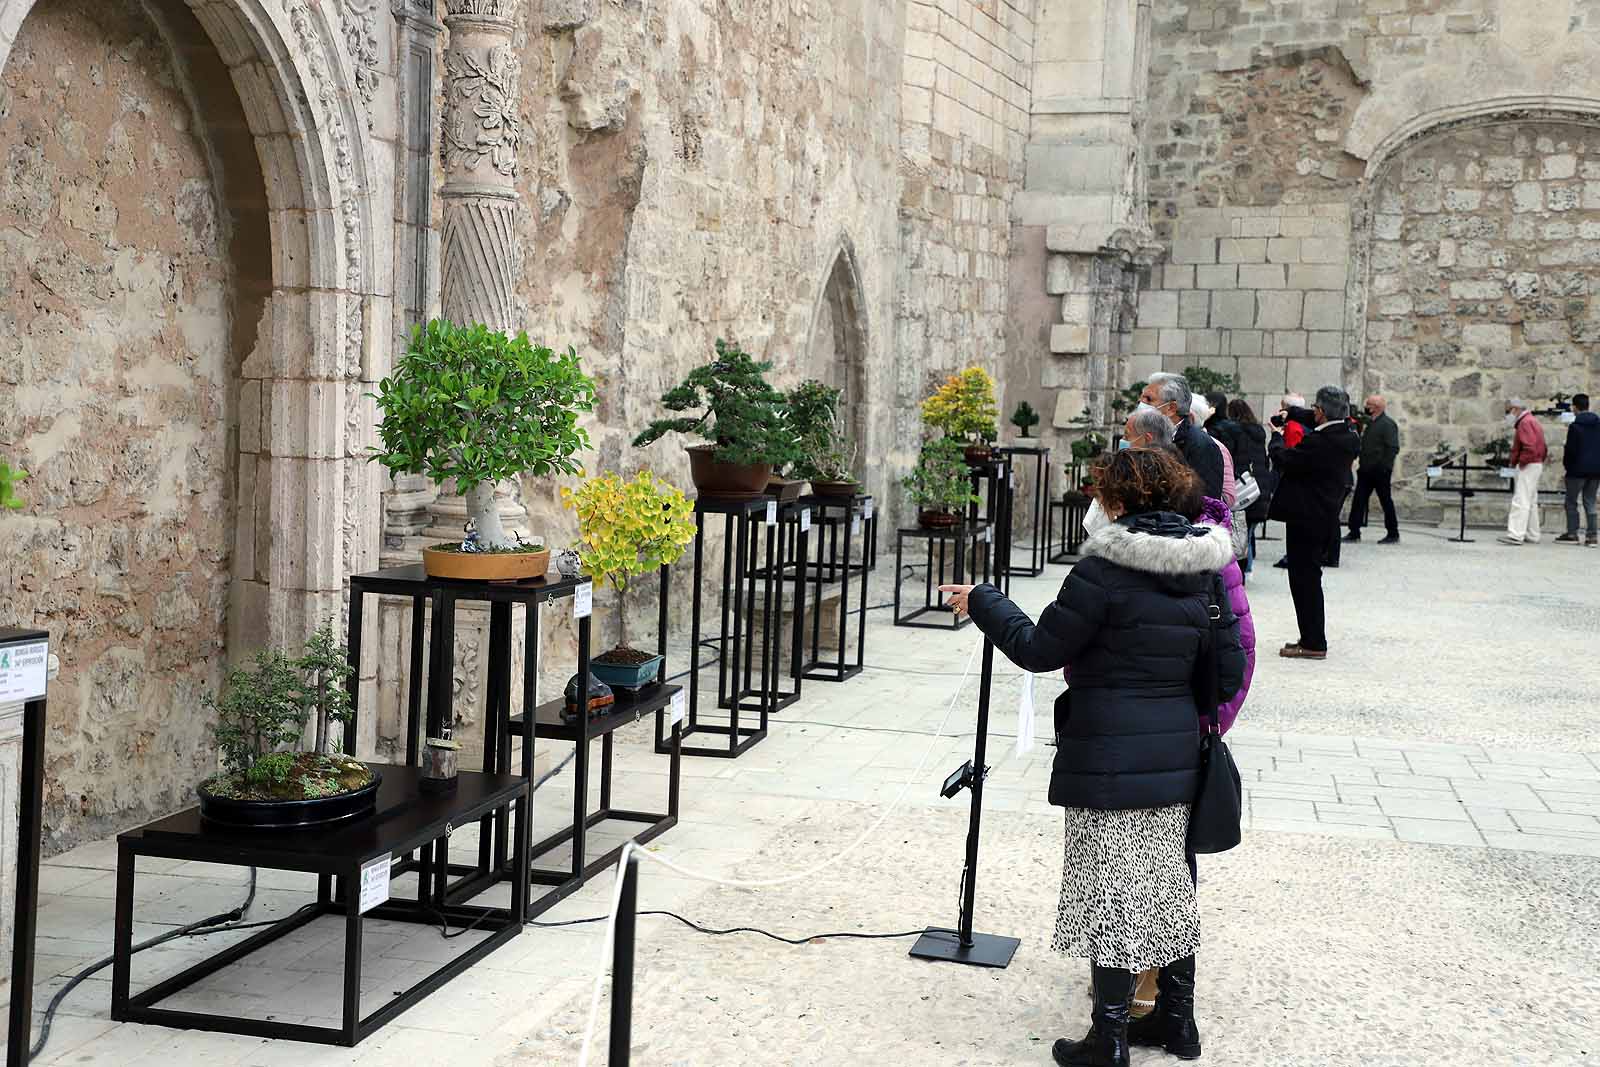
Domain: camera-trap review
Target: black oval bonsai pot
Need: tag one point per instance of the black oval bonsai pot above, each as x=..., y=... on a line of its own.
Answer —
x=290, y=814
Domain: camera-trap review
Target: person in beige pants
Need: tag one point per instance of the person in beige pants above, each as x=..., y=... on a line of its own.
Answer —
x=1528, y=453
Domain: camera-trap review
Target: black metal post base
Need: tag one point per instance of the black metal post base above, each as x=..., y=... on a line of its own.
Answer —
x=986, y=950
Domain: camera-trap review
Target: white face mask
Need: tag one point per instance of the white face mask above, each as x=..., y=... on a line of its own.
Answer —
x=1511, y=418
x=1143, y=406
x=1095, y=518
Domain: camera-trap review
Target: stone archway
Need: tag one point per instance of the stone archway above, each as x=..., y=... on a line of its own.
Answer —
x=837, y=352
x=315, y=339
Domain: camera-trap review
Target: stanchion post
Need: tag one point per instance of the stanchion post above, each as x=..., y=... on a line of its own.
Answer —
x=622, y=966
x=24, y=658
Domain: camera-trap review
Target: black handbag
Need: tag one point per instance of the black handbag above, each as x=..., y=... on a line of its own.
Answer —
x=1217, y=814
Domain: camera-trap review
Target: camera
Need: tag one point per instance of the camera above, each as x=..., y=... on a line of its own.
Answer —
x=1279, y=420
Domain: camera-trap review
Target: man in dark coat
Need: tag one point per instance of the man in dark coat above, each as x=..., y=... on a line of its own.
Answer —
x=1581, y=457
x=1379, y=447
x=1307, y=503
x=1170, y=394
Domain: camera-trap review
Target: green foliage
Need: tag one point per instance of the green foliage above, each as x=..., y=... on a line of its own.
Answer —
x=941, y=480
x=629, y=528
x=470, y=403
x=270, y=770
x=1091, y=443
x=325, y=668
x=1024, y=418
x=314, y=786
x=1497, y=453
x=964, y=406
x=9, y=478
x=1201, y=380
x=826, y=452
x=1444, y=452
x=740, y=412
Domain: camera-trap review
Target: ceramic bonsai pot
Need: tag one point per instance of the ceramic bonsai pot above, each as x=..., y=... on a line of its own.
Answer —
x=787, y=490
x=289, y=814
x=726, y=481
x=444, y=562
x=627, y=675
x=936, y=520
x=977, y=455
x=835, y=490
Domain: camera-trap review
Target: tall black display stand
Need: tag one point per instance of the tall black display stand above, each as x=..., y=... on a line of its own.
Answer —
x=1039, y=547
x=992, y=485
x=842, y=526
x=30, y=829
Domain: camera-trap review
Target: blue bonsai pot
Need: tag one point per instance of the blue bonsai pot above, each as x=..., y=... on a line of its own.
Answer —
x=627, y=675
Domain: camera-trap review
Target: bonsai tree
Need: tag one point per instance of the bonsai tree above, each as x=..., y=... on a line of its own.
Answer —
x=9, y=478
x=964, y=407
x=472, y=404
x=1444, y=452
x=262, y=714
x=1025, y=419
x=941, y=481
x=1496, y=453
x=629, y=528
x=826, y=453
x=739, y=413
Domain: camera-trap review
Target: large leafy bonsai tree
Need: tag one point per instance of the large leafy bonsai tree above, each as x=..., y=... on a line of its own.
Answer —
x=739, y=413
x=826, y=453
x=478, y=406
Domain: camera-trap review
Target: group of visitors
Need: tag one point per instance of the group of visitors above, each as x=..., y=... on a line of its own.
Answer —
x=1581, y=459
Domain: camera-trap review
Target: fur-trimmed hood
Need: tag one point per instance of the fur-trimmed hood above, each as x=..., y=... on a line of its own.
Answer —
x=1161, y=543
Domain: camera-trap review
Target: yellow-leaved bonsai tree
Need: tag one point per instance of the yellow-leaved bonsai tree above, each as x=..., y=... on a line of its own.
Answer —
x=964, y=408
x=628, y=528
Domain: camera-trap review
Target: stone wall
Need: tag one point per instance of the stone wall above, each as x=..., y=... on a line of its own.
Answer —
x=117, y=371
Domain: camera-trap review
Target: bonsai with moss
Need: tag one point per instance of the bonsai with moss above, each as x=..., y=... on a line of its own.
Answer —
x=964, y=408
x=628, y=528
x=826, y=454
x=474, y=405
x=940, y=485
x=263, y=712
x=737, y=413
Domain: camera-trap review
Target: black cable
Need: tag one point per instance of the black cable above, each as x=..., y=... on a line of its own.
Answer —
x=220, y=920
x=444, y=924
x=741, y=930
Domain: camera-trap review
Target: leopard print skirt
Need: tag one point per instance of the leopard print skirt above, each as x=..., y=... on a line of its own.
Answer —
x=1126, y=897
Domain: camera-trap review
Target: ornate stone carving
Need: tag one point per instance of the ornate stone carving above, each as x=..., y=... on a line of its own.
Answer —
x=480, y=260
x=464, y=680
x=483, y=9
x=480, y=110
x=412, y=7
x=360, y=21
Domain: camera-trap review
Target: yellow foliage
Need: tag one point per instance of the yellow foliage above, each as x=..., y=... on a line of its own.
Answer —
x=628, y=528
x=964, y=406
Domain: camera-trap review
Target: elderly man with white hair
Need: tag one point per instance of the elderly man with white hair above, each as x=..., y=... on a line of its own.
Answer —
x=1170, y=395
x=1528, y=453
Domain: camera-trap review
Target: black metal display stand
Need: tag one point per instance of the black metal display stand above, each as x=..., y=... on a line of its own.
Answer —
x=30, y=831
x=1073, y=506
x=968, y=544
x=992, y=484
x=406, y=820
x=1039, y=547
x=737, y=687
x=842, y=525
x=962, y=945
x=1465, y=492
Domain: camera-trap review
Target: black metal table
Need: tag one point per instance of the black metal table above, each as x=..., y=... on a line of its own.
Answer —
x=992, y=484
x=842, y=523
x=443, y=595
x=964, y=539
x=35, y=645
x=406, y=820
x=1038, y=549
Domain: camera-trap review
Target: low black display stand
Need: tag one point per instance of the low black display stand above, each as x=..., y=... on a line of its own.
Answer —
x=1072, y=508
x=842, y=525
x=961, y=945
x=30, y=831
x=966, y=545
x=1039, y=527
x=407, y=820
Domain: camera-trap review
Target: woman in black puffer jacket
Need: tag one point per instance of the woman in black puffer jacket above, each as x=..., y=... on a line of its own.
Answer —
x=1131, y=621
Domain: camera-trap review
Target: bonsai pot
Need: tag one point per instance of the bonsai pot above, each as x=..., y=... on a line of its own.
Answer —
x=726, y=481
x=787, y=490
x=977, y=455
x=935, y=520
x=289, y=814
x=448, y=561
x=626, y=667
x=835, y=490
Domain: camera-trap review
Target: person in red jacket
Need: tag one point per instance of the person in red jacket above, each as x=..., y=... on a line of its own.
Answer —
x=1528, y=453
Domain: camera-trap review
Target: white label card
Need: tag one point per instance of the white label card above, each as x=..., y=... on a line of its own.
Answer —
x=22, y=671
x=583, y=601
x=1025, y=717
x=988, y=534
x=1508, y=472
x=866, y=511
x=772, y=513
x=374, y=883
x=680, y=704
x=805, y=521
x=855, y=526
x=1435, y=472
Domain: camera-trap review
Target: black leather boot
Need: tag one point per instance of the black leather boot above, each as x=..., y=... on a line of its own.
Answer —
x=1106, y=1044
x=1171, y=1025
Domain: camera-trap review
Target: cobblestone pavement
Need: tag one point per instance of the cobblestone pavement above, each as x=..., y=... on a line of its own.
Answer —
x=1420, y=883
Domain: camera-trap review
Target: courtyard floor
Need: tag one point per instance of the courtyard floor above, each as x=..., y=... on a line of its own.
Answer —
x=1419, y=882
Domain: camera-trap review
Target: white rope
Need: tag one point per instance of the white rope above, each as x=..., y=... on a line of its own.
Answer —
x=631, y=849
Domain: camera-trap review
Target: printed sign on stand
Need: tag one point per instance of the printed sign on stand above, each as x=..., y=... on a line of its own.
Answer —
x=679, y=707
x=866, y=511
x=583, y=601
x=374, y=883
x=805, y=520
x=772, y=513
x=1436, y=472
x=23, y=671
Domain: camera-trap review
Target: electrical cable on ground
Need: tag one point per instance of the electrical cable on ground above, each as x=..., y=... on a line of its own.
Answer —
x=810, y=939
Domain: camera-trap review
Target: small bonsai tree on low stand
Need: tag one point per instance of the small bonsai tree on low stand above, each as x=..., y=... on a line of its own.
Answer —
x=262, y=715
x=1025, y=419
x=627, y=529
x=940, y=485
x=827, y=455
x=740, y=415
x=471, y=404
x=1088, y=445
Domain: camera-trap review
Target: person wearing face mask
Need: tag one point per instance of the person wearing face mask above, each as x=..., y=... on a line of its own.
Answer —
x=1528, y=453
x=1307, y=502
x=1131, y=621
x=1170, y=395
x=1379, y=447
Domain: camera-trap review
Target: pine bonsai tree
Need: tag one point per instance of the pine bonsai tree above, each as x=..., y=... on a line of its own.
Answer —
x=739, y=412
